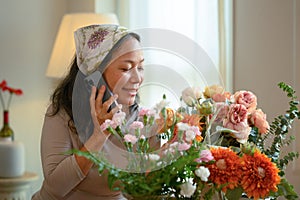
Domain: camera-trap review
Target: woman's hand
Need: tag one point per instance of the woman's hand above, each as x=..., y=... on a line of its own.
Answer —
x=98, y=109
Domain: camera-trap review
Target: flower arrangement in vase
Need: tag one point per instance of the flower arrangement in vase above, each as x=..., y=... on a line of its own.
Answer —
x=215, y=149
x=6, y=132
x=11, y=151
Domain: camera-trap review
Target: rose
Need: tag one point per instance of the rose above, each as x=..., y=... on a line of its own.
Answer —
x=191, y=95
x=246, y=98
x=222, y=109
x=221, y=97
x=259, y=119
x=210, y=91
x=237, y=119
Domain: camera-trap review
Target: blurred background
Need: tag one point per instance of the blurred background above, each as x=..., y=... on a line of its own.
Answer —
x=253, y=44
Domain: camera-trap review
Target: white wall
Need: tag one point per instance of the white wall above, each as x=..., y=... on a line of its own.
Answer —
x=27, y=34
x=267, y=51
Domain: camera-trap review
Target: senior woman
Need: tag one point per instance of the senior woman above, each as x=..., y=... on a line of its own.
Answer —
x=116, y=53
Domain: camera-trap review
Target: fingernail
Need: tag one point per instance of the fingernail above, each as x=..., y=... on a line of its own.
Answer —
x=115, y=96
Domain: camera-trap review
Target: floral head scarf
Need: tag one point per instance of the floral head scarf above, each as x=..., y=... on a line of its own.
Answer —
x=94, y=42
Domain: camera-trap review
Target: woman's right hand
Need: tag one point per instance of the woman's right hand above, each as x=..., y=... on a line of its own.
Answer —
x=99, y=110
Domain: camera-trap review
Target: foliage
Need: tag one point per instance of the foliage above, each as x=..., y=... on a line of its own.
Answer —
x=216, y=147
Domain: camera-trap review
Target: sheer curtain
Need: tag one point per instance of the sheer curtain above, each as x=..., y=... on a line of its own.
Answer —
x=206, y=22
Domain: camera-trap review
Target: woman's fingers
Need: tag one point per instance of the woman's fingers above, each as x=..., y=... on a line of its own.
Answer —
x=93, y=108
x=99, y=98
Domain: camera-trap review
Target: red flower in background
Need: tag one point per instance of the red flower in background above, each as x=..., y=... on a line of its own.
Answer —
x=4, y=87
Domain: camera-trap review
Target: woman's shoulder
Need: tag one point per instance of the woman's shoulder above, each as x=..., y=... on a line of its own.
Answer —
x=53, y=113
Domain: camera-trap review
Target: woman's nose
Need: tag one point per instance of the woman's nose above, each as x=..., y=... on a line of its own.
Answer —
x=136, y=75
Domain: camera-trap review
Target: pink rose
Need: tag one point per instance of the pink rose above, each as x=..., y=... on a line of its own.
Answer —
x=205, y=156
x=212, y=90
x=223, y=109
x=259, y=119
x=130, y=138
x=246, y=98
x=221, y=97
x=237, y=120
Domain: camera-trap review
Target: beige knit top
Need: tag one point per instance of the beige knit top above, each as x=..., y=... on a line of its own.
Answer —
x=63, y=179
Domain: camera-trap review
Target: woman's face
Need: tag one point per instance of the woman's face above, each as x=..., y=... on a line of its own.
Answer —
x=125, y=73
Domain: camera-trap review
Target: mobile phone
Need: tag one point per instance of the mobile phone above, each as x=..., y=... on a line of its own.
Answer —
x=96, y=79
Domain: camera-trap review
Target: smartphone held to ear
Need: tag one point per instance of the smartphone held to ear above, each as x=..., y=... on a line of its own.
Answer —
x=96, y=79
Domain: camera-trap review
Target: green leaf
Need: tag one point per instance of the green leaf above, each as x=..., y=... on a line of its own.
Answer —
x=234, y=194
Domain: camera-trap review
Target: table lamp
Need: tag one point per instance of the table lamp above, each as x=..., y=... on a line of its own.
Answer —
x=64, y=46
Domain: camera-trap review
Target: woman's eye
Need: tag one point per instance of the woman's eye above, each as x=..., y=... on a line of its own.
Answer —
x=141, y=68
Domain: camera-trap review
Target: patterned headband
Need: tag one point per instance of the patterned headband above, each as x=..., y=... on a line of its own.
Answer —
x=94, y=42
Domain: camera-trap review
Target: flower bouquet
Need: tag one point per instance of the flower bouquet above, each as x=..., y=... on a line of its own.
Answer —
x=214, y=148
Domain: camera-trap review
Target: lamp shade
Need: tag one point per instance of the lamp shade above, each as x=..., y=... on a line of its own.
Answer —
x=64, y=47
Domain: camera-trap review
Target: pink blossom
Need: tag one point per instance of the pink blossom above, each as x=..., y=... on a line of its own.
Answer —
x=246, y=98
x=130, y=138
x=259, y=119
x=205, y=156
x=118, y=118
x=105, y=124
x=223, y=109
x=221, y=97
x=237, y=120
x=136, y=125
x=147, y=112
x=183, y=146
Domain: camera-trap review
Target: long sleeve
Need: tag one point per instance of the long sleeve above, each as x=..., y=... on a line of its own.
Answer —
x=63, y=178
x=61, y=171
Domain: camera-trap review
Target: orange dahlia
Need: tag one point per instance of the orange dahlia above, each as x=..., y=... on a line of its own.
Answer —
x=260, y=175
x=226, y=171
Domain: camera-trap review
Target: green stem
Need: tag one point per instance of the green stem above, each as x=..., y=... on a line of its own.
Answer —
x=2, y=101
x=9, y=100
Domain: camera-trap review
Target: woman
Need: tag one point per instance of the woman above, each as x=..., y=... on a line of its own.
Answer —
x=115, y=52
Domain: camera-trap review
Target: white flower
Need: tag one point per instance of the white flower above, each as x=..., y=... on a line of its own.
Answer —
x=154, y=157
x=203, y=173
x=191, y=94
x=182, y=126
x=162, y=104
x=187, y=189
x=190, y=135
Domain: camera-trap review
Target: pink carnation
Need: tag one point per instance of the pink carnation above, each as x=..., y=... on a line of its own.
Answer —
x=147, y=112
x=259, y=119
x=136, y=125
x=246, y=98
x=183, y=146
x=105, y=124
x=130, y=138
x=205, y=156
